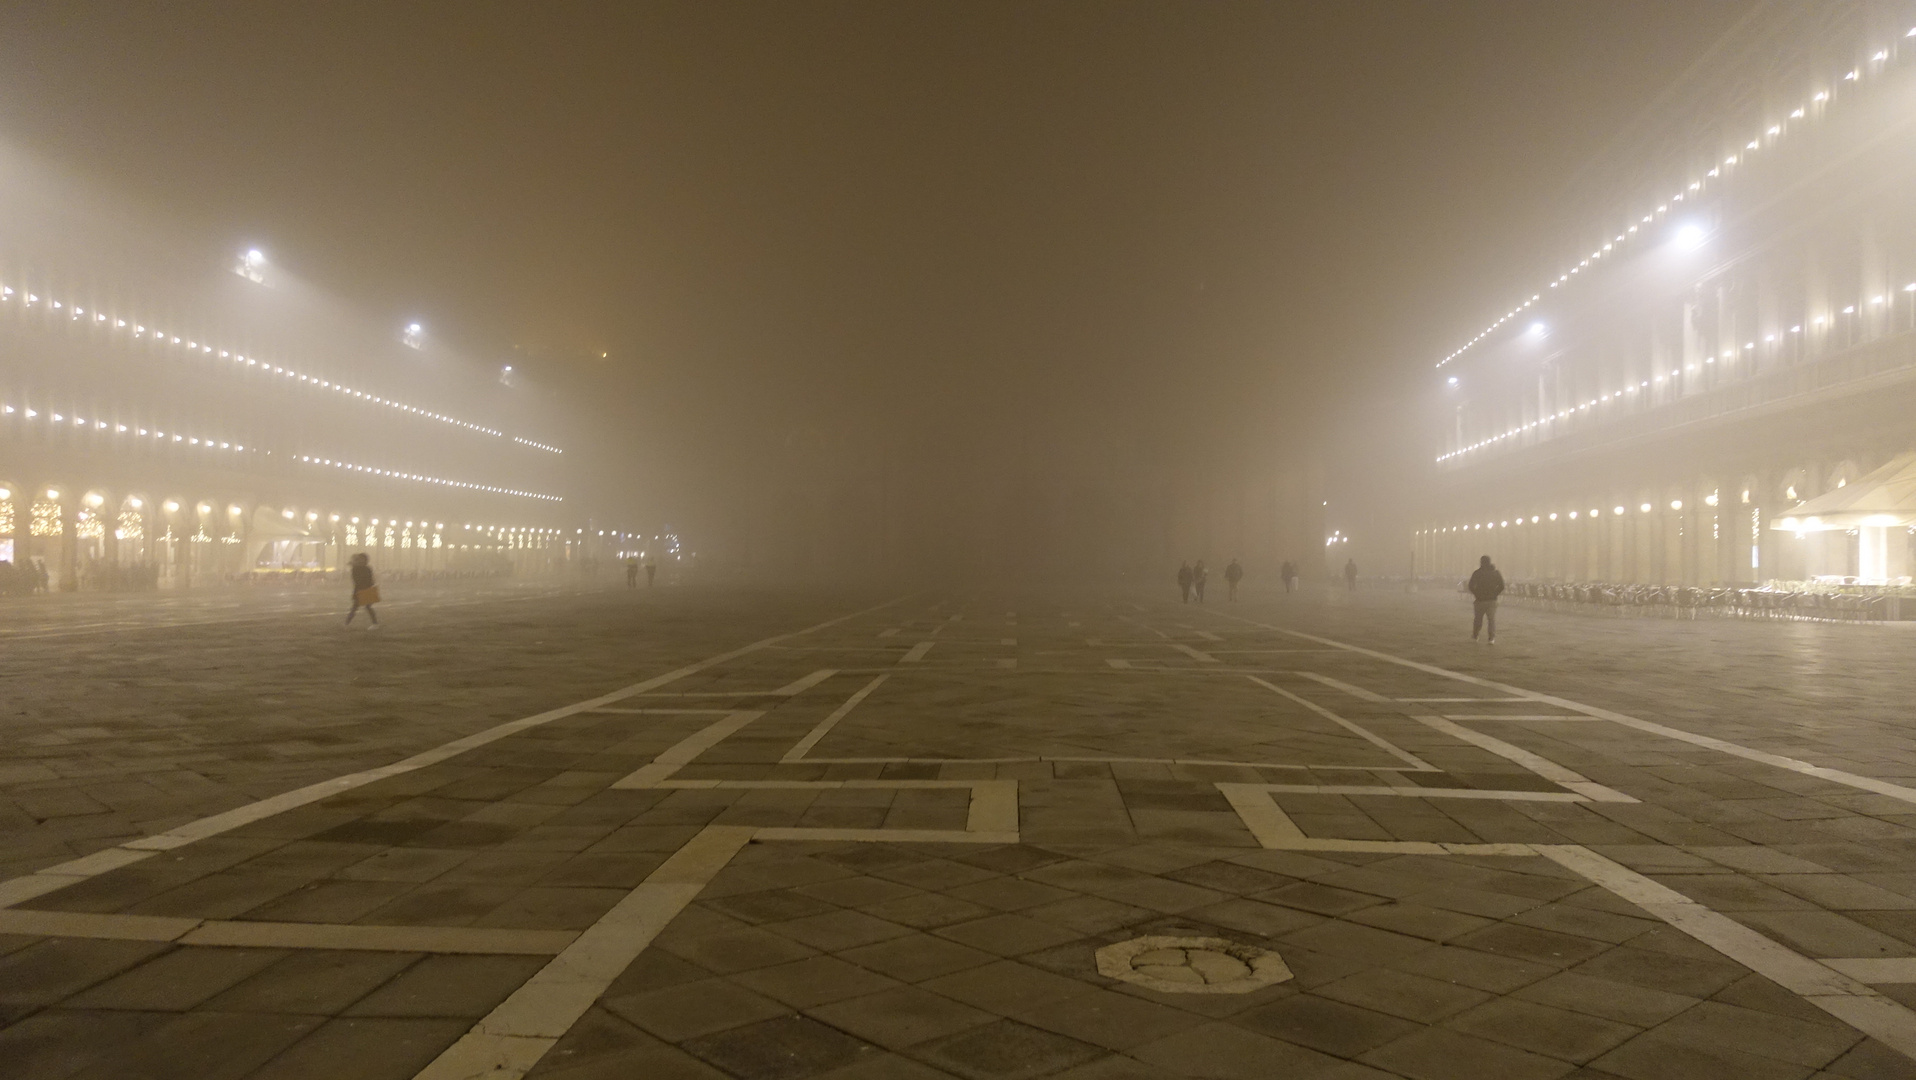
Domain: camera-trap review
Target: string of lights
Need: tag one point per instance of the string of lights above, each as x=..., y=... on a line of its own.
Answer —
x=101, y=321
x=25, y=414
x=54, y=420
x=1730, y=356
x=395, y=474
x=1538, y=519
x=538, y=445
x=1814, y=108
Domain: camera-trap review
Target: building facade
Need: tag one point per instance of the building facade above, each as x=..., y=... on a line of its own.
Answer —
x=235, y=428
x=1736, y=336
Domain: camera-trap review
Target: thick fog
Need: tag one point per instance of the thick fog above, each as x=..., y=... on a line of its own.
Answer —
x=1059, y=291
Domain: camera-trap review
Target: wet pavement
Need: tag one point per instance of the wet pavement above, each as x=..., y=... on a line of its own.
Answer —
x=711, y=832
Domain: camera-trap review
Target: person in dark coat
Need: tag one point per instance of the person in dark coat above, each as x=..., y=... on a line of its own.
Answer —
x=1233, y=574
x=364, y=594
x=1486, y=585
x=1184, y=581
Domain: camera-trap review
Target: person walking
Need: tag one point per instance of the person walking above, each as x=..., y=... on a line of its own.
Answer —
x=365, y=590
x=1350, y=575
x=632, y=573
x=1200, y=574
x=1233, y=574
x=1289, y=573
x=1486, y=585
x=651, y=571
x=1185, y=578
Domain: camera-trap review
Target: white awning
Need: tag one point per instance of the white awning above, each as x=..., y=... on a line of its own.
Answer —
x=1886, y=497
x=270, y=526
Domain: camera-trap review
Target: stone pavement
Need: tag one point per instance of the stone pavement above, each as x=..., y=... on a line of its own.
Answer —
x=717, y=833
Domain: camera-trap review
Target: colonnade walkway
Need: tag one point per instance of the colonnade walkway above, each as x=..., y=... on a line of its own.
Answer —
x=712, y=832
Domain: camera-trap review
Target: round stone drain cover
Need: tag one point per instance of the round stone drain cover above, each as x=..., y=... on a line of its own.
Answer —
x=1192, y=965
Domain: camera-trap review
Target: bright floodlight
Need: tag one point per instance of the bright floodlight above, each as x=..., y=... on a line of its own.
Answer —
x=1538, y=329
x=1690, y=237
x=252, y=266
x=413, y=335
x=1453, y=380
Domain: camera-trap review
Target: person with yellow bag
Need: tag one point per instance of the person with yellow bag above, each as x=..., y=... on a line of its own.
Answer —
x=365, y=590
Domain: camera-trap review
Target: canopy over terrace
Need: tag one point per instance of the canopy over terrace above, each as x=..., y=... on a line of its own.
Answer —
x=1875, y=504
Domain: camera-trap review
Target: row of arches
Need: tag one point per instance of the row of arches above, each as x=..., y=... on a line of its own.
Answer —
x=65, y=537
x=1710, y=530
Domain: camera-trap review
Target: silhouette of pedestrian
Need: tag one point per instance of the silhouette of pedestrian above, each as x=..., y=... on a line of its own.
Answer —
x=1350, y=575
x=1486, y=585
x=651, y=570
x=631, y=573
x=365, y=590
x=1289, y=573
x=1199, y=575
x=1185, y=577
x=1233, y=574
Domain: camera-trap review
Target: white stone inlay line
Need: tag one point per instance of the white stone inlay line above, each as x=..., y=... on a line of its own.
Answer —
x=917, y=652
x=1415, y=792
x=812, y=737
x=54, y=878
x=1274, y=829
x=1825, y=984
x=1200, y=657
x=284, y=935
x=1374, y=739
x=1536, y=763
x=1877, y=969
x=682, y=753
x=1837, y=776
x=664, y=712
x=515, y=1035
x=793, y=689
x=1527, y=718
x=1820, y=984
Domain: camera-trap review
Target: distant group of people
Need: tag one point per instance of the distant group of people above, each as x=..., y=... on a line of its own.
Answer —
x=1192, y=579
x=1485, y=586
x=632, y=573
x=25, y=579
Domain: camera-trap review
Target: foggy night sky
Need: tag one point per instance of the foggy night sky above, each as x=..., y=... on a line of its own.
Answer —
x=964, y=239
